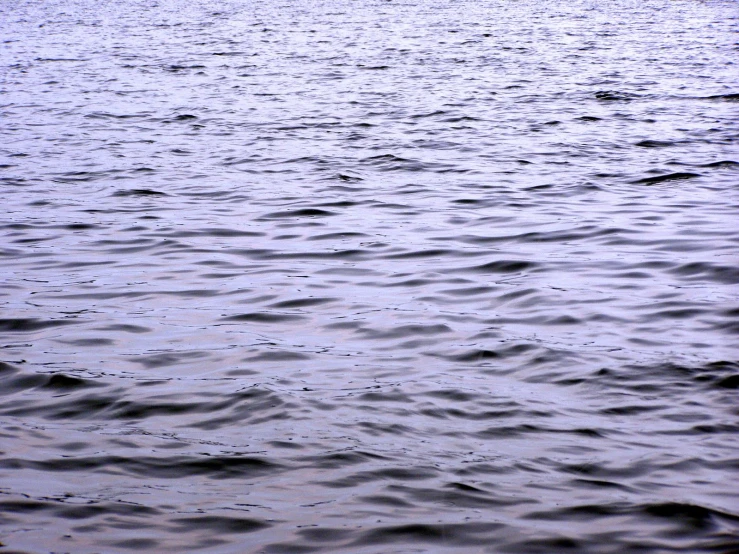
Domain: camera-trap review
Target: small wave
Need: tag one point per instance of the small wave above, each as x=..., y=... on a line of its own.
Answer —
x=682, y=176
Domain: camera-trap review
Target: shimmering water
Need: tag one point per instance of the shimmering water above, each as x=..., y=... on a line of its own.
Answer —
x=369, y=277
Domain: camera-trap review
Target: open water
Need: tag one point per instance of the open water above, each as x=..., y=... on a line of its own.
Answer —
x=369, y=276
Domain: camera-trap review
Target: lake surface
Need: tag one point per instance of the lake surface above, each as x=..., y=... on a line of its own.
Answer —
x=369, y=277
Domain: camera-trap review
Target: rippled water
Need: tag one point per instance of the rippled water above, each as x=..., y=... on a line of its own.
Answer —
x=369, y=277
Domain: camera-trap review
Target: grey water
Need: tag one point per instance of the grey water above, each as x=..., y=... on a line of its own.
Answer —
x=369, y=276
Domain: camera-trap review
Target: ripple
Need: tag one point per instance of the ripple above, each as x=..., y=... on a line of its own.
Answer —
x=369, y=276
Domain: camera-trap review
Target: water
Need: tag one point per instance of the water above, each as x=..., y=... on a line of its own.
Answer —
x=369, y=277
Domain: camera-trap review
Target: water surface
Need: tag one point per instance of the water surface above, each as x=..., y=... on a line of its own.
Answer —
x=369, y=277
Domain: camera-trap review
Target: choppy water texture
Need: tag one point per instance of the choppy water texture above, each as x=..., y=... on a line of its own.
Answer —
x=369, y=277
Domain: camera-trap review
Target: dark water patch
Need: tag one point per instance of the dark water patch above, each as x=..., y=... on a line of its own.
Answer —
x=394, y=206
x=722, y=164
x=654, y=143
x=450, y=534
x=599, y=484
x=81, y=226
x=59, y=381
x=509, y=431
x=731, y=382
x=298, y=213
x=560, y=544
x=437, y=253
x=687, y=516
x=732, y=97
x=728, y=327
x=303, y=302
x=286, y=445
x=89, y=342
x=648, y=378
x=385, y=396
x=165, y=359
x=263, y=317
x=456, y=413
x=685, y=313
x=340, y=204
x=71, y=408
x=337, y=460
x=606, y=473
x=387, y=501
x=429, y=114
x=278, y=357
x=30, y=325
x=174, y=467
x=158, y=408
x=391, y=162
x=136, y=544
x=454, y=395
x=324, y=535
x=484, y=354
x=6, y=368
x=138, y=192
x=499, y=266
x=405, y=331
x=218, y=524
x=67, y=508
x=13, y=380
x=383, y=475
x=615, y=96
x=339, y=235
x=708, y=271
x=539, y=188
x=536, y=237
x=107, y=115
x=350, y=254
x=84, y=176
x=212, y=232
x=730, y=430
x=14, y=181
x=125, y=328
x=631, y=410
x=665, y=178
x=32, y=240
